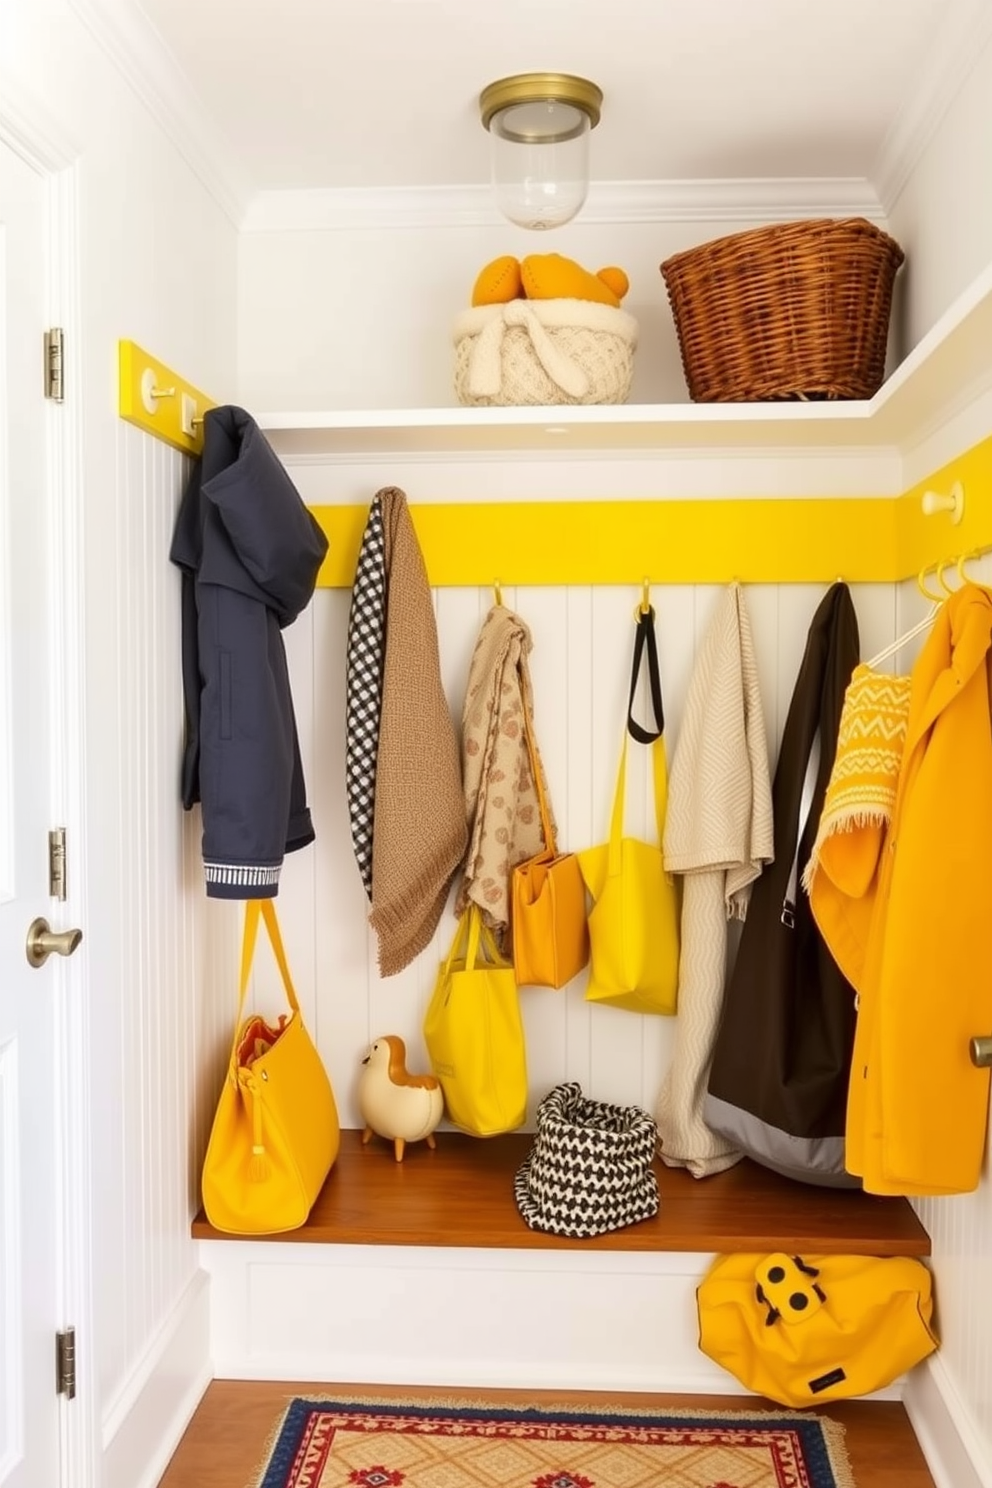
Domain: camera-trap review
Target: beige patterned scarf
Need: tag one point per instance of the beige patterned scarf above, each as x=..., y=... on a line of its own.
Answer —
x=500, y=798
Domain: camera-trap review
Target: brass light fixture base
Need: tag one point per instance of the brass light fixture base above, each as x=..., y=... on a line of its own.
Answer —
x=536, y=87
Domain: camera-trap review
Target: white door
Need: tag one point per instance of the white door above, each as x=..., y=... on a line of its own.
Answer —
x=29, y=1147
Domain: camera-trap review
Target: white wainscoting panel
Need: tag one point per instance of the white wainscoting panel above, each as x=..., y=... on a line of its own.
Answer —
x=415, y=1315
x=580, y=667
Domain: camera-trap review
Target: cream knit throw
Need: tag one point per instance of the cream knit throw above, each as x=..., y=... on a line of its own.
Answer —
x=500, y=798
x=419, y=829
x=718, y=834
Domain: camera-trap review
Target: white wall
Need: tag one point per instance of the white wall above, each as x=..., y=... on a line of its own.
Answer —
x=156, y=259
x=943, y=215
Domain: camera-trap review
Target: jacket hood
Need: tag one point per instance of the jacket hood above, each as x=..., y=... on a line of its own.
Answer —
x=243, y=524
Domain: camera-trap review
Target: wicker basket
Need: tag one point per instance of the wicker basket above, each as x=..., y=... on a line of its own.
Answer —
x=800, y=310
x=543, y=352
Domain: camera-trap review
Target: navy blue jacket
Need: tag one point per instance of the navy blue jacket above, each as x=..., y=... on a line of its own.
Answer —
x=249, y=551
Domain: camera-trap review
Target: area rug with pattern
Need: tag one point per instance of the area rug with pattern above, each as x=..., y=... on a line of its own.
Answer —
x=451, y=1444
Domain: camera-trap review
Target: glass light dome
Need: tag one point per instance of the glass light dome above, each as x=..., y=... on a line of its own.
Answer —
x=539, y=124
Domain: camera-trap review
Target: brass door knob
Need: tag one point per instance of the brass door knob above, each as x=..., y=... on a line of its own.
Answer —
x=43, y=942
x=981, y=1052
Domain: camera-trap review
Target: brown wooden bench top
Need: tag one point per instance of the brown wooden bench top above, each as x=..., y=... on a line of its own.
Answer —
x=462, y=1194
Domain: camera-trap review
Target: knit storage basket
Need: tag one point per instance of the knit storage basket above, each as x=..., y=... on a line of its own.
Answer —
x=590, y=1168
x=800, y=310
x=542, y=352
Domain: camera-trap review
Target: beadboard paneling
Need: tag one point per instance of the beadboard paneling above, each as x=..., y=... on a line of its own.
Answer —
x=580, y=666
x=165, y=1034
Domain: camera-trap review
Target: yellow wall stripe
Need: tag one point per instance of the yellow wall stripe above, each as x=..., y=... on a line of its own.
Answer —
x=879, y=540
x=622, y=542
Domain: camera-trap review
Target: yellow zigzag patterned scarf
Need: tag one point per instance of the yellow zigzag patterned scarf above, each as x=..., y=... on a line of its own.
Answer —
x=862, y=788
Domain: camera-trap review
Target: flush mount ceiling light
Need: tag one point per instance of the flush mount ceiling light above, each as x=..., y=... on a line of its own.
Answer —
x=539, y=124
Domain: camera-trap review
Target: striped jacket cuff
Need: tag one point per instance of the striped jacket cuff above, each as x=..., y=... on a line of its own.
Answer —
x=241, y=880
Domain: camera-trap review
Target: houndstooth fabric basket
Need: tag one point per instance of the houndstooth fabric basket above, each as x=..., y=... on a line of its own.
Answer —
x=540, y=352
x=590, y=1168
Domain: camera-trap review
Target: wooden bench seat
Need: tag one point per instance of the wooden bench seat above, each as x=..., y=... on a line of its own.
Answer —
x=461, y=1194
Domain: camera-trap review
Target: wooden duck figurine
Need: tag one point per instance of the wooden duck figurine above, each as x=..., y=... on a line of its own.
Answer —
x=394, y=1104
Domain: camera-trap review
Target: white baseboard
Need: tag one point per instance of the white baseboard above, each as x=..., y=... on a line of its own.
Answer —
x=950, y=1439
x=144, y=1425
x=490, y=1319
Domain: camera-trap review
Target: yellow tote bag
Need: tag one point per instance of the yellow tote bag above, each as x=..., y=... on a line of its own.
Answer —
x=634, y=920
x=806, y=1330
x=275, y=1133
x=475, y=1035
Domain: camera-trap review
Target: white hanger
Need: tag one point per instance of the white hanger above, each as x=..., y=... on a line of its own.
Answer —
x=922, y=625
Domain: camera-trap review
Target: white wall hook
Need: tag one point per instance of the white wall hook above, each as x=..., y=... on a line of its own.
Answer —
x=151, y=392
x=952, y=502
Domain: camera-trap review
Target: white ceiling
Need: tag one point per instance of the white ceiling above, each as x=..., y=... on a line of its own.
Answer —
x=383, y=93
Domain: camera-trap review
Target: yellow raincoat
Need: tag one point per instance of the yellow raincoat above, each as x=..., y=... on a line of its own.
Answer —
x=917, y=1107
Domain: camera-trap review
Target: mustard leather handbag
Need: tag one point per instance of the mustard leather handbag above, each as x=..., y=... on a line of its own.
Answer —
x=547, y=902
x=634, y=920
x=275, y=1133
x=475, y=1035
x=806, y=1330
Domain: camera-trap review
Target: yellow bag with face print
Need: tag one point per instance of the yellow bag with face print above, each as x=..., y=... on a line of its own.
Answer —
x=806, y=1330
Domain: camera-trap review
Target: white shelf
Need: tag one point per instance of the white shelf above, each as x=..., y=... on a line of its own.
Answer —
x=949, y=367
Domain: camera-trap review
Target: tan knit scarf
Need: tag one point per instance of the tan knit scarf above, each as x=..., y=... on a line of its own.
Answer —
x=500, y=798
x=419, y=830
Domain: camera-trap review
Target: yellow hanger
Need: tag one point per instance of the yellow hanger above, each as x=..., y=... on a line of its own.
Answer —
x=644, y=608
x=497, y=592
x=964, y=577
x=947, y=588
x=936, y=599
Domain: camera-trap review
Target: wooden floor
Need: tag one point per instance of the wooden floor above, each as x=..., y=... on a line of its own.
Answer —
x=224, y=1446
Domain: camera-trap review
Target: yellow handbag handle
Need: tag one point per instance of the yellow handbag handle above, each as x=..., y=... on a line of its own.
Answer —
x=547, y=830
x=645, y=639
x=660, y=774
x=472, y=924
x=265, y=909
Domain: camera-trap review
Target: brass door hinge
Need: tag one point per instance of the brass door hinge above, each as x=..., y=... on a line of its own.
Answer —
x=56, y=863
x=54, y=368
x=65, y=1363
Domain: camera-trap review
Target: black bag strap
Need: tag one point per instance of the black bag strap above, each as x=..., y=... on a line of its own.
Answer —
x=645, y=637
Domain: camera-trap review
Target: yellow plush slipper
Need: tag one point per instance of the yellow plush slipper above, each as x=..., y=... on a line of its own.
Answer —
x=499, y=282
x=550, y=276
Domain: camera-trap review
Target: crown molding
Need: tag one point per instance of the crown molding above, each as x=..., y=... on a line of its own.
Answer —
x=27, y=127
x=614, y=202
x=949, y=64
x=137, y=50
